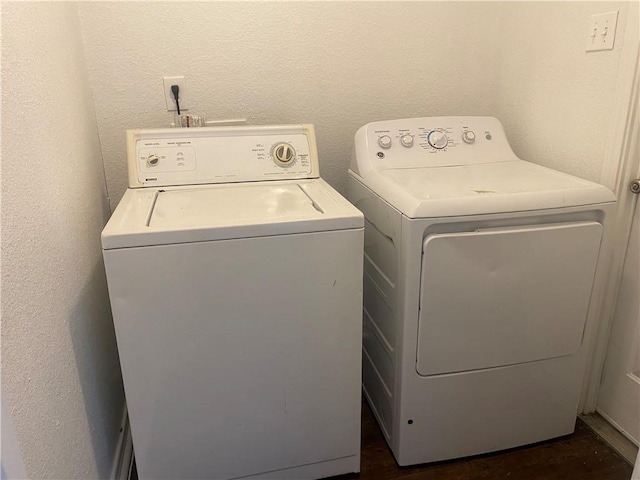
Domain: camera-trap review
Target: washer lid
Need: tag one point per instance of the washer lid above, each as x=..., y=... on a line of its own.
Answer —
x=217, y=212
x=508, y=186
x=191, y=208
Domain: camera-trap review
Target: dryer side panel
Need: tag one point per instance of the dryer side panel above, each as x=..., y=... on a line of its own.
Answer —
x=381, y=316
x=504, y=296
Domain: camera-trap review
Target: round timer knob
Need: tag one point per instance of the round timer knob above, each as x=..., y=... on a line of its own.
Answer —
x=385, y=141
x=406, y=140
x=437, y=139
x=468, y=136
x=283, y=154
x=153, y=160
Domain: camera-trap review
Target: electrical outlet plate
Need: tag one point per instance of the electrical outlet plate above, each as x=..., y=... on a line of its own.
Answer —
x=168, y=94
x=602, y=31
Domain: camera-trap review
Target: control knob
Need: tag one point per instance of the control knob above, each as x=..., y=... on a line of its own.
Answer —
x=437, y=139
x=153, y=160
x=406, y=140
x=283, y=154
x=384, y=141
x=468, y=136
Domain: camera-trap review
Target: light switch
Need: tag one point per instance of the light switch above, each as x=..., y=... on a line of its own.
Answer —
x=602, y=31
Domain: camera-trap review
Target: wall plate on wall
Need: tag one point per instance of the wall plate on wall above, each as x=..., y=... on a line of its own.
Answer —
x=602, y=31
x=168, y=95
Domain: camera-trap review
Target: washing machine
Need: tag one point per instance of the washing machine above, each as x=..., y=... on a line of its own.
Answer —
x=235, y=279
x=482, y=278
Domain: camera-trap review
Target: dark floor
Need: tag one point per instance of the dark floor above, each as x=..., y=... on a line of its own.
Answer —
x=580, y=456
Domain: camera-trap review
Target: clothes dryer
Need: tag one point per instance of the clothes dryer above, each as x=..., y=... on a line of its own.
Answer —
x=235, y=278
x=482, y=280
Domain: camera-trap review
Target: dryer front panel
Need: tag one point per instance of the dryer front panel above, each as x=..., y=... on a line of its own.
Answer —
x=504, y=296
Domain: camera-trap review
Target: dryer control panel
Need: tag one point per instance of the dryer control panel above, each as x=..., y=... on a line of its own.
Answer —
x=190, y=156
x=429, y=142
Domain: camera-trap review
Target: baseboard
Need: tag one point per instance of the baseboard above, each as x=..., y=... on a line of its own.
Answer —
x=605, y=429
x=123, y=457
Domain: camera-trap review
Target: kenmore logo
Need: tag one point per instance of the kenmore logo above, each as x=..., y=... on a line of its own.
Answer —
x=151, y=179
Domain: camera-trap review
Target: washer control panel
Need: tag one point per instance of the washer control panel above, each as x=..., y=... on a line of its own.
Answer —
x=221, y=155
x=429, y=142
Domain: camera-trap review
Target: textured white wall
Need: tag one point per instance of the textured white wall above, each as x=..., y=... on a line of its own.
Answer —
x=554, y=99
x=337, y=65
x=340, y=65
x=60, y=373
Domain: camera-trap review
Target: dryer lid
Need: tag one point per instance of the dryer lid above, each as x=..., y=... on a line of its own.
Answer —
x=507, y=186
x=217, y=212
x=504, y=296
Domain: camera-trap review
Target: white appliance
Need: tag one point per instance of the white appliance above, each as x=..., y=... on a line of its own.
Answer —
x=235, y=278
x=479, y=289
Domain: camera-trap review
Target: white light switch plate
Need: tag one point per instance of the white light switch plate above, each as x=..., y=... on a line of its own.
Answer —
x=602, y=31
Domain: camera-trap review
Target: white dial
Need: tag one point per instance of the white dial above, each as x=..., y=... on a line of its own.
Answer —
x=406, y=140
x=153, y=160
x=384, y=141
x=437, y=139
x=468, y=136
x=283, y=154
